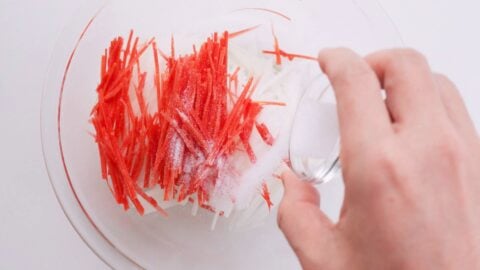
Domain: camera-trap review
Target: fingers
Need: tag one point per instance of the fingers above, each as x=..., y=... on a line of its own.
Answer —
x=453, y=103
x=299, y=191
x=305, y=226
x=406, y=77
x=362, y=113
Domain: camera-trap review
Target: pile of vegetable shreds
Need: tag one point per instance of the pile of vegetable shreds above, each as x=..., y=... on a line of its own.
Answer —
x=181, y=143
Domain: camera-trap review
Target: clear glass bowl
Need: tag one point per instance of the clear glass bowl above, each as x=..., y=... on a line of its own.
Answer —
x=125, y=240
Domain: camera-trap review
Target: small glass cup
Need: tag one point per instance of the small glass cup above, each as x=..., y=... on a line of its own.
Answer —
x=314, y=138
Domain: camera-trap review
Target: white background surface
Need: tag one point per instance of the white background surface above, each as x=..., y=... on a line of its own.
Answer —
x=34, y=233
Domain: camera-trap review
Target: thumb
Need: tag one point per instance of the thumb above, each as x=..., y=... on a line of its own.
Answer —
x=308, y=230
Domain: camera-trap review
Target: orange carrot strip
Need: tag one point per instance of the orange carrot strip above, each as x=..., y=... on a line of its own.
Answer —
x=172, y=47
x=194, y=132
x=157, y=79
x=183, y=134
x=290, y=56
x=265, y=133
x=243, y=31
x=276, y=47
x=127, y=49
x=151, y=201
x=266, y=195
x=275, y=103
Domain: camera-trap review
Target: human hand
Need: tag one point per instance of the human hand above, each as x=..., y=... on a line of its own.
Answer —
x=411, y=169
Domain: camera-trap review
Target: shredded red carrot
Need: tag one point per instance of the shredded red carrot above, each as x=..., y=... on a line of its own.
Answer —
x=181, y=146
x=276, y=47
x=265, y=133
x=243, y=31
x=289, y=56
x=266, y=195
x=279, y=53
x=274, y=103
